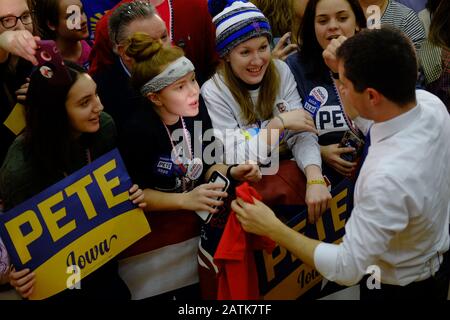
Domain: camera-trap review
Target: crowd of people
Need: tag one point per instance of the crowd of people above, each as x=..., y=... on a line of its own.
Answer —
x=279, y=81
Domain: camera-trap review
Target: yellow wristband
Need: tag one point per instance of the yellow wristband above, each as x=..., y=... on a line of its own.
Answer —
x=318, y=181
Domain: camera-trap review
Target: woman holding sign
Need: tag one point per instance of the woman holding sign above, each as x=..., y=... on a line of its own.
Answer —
x=65, y=130
x=323, y=21
x=164, y=149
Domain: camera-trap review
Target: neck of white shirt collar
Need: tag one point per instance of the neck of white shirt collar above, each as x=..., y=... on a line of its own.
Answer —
x=383, y=130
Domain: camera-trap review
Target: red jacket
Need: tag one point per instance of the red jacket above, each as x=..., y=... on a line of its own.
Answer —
x=192, y=30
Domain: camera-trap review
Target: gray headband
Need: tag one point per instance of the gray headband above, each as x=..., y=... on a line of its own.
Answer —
x=176, y=70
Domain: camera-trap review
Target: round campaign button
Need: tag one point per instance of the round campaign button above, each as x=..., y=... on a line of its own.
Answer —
x=46, y=72
x=195, y=169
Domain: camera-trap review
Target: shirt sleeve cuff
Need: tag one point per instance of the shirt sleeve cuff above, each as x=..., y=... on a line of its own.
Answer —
x=325, y=258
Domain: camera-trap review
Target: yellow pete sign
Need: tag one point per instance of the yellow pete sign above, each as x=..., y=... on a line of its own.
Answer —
x=72, y=228
x=282, y=276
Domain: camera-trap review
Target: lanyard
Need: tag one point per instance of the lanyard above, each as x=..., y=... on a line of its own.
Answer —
x=174, y=151
x=187, y=139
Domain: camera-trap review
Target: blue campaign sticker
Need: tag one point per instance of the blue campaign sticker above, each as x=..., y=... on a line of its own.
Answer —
x=317, y=98
x=312, y=105
x=165, y=166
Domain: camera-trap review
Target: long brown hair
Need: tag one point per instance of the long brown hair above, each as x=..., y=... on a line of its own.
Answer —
x=48, y=130
x=268, y=90
x=150, y=57
x=440, y=25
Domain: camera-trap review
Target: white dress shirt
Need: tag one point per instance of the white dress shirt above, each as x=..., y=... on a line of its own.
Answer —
x=400, y=221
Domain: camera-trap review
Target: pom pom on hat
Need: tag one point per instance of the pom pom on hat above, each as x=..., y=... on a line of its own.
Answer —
x=237, y=21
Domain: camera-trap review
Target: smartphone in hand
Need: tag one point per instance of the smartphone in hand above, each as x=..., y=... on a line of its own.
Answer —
x=350, y=139
x=216, y=177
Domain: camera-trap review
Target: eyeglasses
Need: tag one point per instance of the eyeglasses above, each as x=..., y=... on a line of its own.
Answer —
x=9, y=22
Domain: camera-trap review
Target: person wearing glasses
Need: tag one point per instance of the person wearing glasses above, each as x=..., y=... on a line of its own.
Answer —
x=16, y=31
x=16, y=41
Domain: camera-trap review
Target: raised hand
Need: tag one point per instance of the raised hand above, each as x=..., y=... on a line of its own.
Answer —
x=283, y=48
x=329, y=54
x=20, y=43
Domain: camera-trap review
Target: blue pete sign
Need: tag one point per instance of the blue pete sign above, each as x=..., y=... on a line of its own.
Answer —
x=282, y=276
x=85, y=220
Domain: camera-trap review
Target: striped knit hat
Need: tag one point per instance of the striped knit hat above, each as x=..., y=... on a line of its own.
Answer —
x=237, y=21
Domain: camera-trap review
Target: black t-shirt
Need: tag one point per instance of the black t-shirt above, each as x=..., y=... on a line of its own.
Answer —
x=146, y=149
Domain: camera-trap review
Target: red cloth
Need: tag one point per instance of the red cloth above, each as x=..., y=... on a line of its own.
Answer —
x=196, y=36
x=238, y=279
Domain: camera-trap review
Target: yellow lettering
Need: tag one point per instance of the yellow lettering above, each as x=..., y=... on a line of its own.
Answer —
x=79, y=188
x=270, y=262
x=299, y=226
x=320, y=229
x=107, y=185
x=337, y=211
x=22, y=241
x=51, y=218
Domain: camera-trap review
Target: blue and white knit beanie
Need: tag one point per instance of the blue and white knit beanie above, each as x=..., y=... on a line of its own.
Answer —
x=237, y=21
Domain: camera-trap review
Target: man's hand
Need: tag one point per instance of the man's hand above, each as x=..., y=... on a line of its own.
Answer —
x=256, y=218
x=329, y=54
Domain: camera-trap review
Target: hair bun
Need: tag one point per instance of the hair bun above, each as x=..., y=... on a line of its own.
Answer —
x=217, y=6
x=142, y=47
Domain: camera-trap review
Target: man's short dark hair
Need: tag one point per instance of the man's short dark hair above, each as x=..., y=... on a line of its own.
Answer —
x=383, y=59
